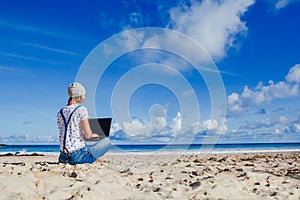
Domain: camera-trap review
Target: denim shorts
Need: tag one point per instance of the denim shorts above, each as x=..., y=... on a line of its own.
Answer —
x=77, y=157
x=86, y=155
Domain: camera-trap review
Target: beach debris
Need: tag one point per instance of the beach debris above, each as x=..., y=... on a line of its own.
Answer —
x=97, y=182
x=272, y=193
x=268, y=182
x=257, y=183
x=285, y=182
x=239, y=170
x=247, y=159
x=7, y=154
x=151, y=178
x=53, y=191
x=222, y=169
x=71, y=175
x=195, y=185
x=249, y=164
x=242, y=174
x=140, y=179
x=37, y=183
x=21, y=153
x=35, y=154
x=197, y=173
x=125, y=170
x=14, y=163
x=71, y=198
x=275, y=165
x=79, y=193
x=222, y=159
x=155, y=189
x=207, y=177
x=293, y=171
x=212, y=158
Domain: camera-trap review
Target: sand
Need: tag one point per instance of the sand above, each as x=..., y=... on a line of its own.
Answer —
x=241, y=176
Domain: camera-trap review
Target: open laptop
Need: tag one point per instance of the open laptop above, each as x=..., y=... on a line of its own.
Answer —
x=100, y=126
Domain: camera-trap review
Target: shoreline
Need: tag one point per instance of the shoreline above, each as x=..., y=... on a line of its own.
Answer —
x=215, y=176
x=201, y=153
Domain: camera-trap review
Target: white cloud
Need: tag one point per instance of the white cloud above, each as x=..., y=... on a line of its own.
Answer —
x=283, y=3
x=283, y=120
x=210, y=124
x=161, y=130
x=268, y=92
x=136, y=128
x=135, y=20
x=28, y=138
x=115, y=127
x=294, y=74
x=264, y=123
x=293, y=128
x=215, y=126
x=176, y=123
x=131, y=40
x=214, y=24
x=297, y=127
x=280, y=125
x=238, y=104
x=276, y=131
x=235, y=106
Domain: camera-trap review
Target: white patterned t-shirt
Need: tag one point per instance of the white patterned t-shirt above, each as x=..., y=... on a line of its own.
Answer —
x=75, y=136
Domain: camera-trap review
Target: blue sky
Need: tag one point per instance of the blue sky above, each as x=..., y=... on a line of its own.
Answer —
x=253, y=46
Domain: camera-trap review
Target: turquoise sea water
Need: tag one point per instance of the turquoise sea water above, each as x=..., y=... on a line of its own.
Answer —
x=164, y=149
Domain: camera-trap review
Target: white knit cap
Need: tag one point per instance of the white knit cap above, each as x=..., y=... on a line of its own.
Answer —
x=76, y=90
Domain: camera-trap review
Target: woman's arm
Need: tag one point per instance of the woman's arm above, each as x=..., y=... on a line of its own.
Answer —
x=87, y=130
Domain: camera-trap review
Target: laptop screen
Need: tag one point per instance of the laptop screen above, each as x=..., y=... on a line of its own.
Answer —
x=100, y=126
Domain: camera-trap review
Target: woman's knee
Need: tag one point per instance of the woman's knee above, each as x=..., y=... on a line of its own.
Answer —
x=106, y=141
x=102, y=144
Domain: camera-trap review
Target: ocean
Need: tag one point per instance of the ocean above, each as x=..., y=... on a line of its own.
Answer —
x=53, y=149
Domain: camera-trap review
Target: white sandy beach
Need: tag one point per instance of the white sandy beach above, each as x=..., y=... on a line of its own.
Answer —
x=243, y=176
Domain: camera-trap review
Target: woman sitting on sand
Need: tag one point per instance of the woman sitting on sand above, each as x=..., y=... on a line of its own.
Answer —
x=73, y=125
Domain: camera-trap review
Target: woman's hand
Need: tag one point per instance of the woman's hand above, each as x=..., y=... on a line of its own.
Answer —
x=95, y=137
